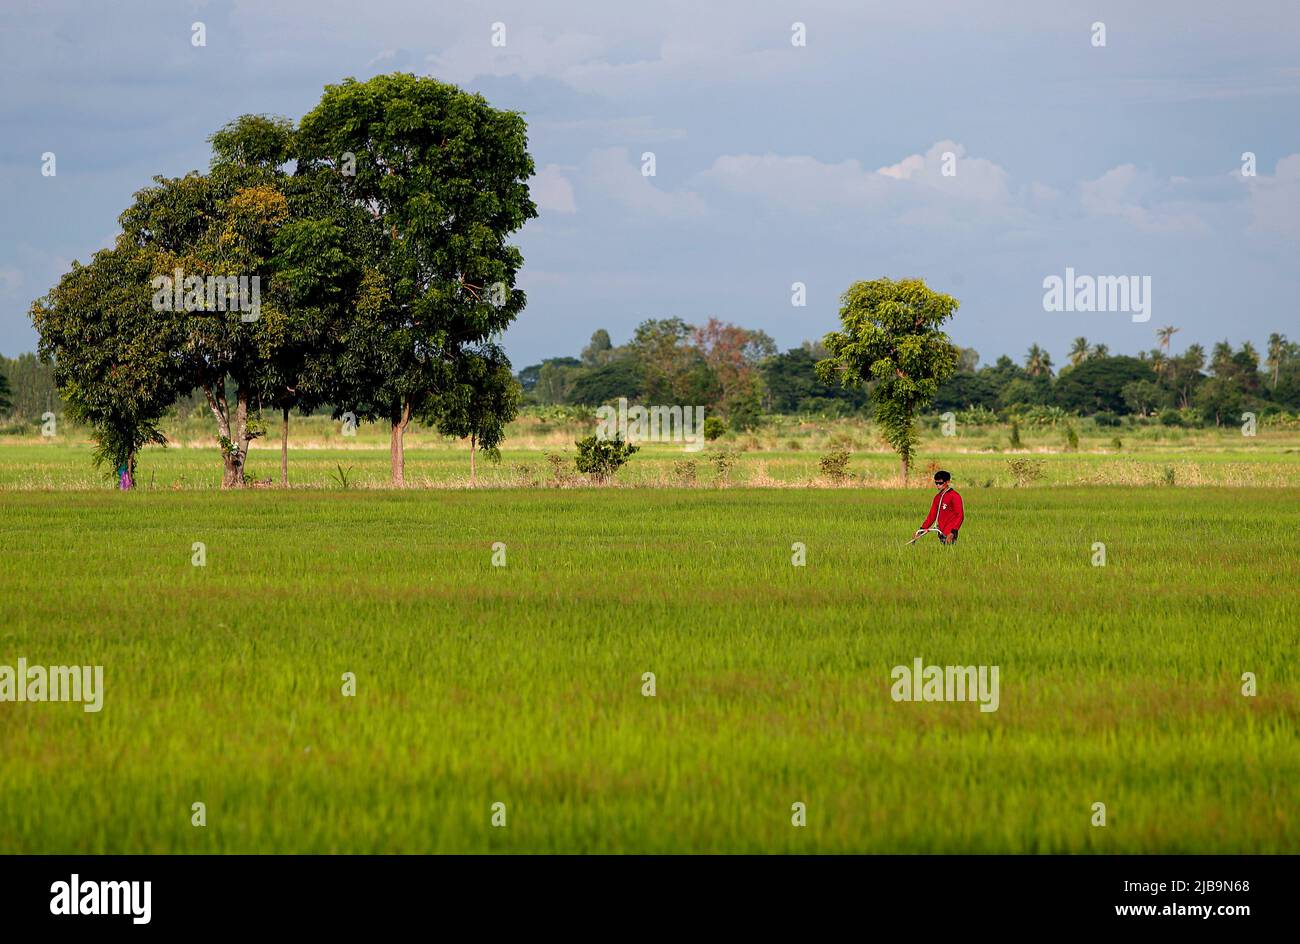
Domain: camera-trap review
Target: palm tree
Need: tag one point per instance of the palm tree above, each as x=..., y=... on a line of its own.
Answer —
x=1159, y=363
x=1276, y=349
x=1099, y=351
x=1166, y=335
x=1221, y=359
x=1079, y=352
x=1188, y=367
x=1038, y=361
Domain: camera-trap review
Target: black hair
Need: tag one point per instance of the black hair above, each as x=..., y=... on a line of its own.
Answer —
x=942, y=476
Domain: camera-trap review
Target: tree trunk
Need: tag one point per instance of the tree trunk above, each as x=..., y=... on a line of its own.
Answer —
x=396, y=445
x=473, y=479
x=904, y=466
x=232, y=472
x=232, y=465
x=128, y=482
x=233, y=475
x=284, y=451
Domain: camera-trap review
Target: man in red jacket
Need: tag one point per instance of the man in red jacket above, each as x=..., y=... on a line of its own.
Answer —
x=946, y=510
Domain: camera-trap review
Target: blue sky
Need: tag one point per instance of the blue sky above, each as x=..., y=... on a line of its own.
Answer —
x=775, y=163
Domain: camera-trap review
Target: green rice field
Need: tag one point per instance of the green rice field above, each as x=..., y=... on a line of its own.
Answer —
x=524, y=684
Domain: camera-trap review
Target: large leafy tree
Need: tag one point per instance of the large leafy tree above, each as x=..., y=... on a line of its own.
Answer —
x=246, y=219
x=318, y=280
x=113, y=355
x=222, y=225
x=891, y=338
x=444, y=178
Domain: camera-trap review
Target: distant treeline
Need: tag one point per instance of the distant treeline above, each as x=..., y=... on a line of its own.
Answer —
x=732, y=371
x=27, y=389
x=738, y=374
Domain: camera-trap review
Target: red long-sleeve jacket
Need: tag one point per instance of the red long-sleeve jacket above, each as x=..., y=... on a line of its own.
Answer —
x=946, y=507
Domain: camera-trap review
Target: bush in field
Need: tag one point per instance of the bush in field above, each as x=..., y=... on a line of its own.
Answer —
x=1170, y=417
x=835, y=465
x=524, y=475
x=1025, y=471
x=1071, y=439
x=713, y=428
x=1015, y=434
x=601, y=458
x=1106, y=418
x=561, y=477
x=722, y=463
x=684, y=472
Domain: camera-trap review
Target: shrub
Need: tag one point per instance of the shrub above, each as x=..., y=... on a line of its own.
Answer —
x=1167, y=476
x=722, y=463
x=524, y=475
x=1071, y=439
x=601, y=458
x=713, y=428
x=835, y=465
x=560, y=474
x=1170, y=417
x=1015, y=434
x=684, y=472
x=1025, y=471
x=1107, y=418
x=1117, y=444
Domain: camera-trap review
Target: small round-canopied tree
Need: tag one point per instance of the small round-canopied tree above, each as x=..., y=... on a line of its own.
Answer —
x=892, y=342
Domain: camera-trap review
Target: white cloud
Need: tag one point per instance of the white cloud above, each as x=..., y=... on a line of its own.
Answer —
x=973, y=178
x=798, y=182
x=914, y=187
x=552, y=191
x=11, y=279
x=612, y=172
x=1147, y=204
